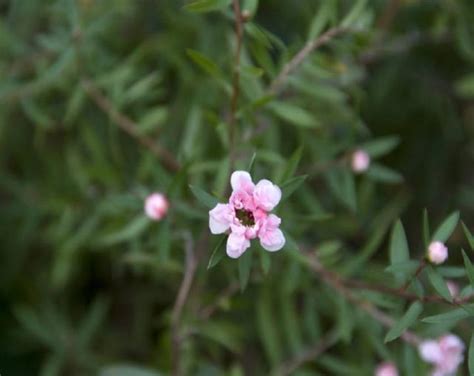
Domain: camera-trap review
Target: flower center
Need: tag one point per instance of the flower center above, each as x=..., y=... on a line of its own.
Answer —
x=245, y=217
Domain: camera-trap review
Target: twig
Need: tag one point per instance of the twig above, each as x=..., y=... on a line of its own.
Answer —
x=324, y=38
x=128, y=125
x=415, y=276
x=308, y=355
x=338, y=284
x=181, y=298
x=235, y=81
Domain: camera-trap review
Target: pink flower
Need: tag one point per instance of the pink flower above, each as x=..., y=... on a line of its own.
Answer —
x=386, y=369
x=445, y=353
x=156, y=206
x=246, y=216
x=437, y=252
x=360, y=161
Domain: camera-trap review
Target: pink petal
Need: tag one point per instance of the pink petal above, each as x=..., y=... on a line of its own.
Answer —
x=156, y=206
x=267, y=195
x=272, y=240
x=220, y=218
x=236, y=245
x=241, y=180
x=430, y=351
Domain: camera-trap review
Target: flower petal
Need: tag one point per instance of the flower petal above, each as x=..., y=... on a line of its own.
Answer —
x=267, y=195
x=241, y=180
x=236, y=245
x=273, y=240
x=220, y=218
x=430, y=351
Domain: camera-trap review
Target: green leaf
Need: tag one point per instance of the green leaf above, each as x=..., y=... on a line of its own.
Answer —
x=383, y=174
x=201, y=6
x=342, y=184
x=250, y=6
x=268, y=328
x=252, y=163
x=451, y=317
x=445, y=229
x=217, y=254
x=292, y=164
x=465, y=86
x=127, y=370
x=203, y=197
x=292, y=185
x=245, y=266
x=354, y=13
x=294, y=115
x=469, y=236
x=131, y=231
x=438, y=283
x=321, y=19
x=222, y=332
x=469, y=267
x=406, y=267
x=381, y=146
x=399, y=251
x=405, y=322
x=265, y=260
x=206, y=64
x=470, y=360
x=426, y=229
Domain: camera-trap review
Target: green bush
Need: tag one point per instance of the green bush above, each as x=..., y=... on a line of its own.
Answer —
x=104, y=102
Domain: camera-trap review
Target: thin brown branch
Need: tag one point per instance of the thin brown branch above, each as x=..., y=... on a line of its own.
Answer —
x=183, y=293
x=336, y=282
x=235, y=80
x=323, y=39
x=307, y=355
x=128, y=125
x=418, y=271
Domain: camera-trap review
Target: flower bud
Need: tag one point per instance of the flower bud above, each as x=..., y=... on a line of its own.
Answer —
x=360, y=161
x=156, y=206
x=437, y=252
x=386, y=369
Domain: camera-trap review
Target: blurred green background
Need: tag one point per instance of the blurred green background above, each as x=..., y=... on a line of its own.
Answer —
x=87, y=282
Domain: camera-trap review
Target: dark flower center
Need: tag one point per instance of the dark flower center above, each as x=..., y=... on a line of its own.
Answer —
x=245, y=217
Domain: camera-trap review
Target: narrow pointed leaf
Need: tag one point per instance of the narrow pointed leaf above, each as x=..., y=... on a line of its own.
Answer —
x=469, y=236
x=405, y=322
x=292, y=185
x=469, y=267
x=203, y=197
x=438, y=283
x=217, y=254
x=426, y=228
x=445, y=229
x=245, y=266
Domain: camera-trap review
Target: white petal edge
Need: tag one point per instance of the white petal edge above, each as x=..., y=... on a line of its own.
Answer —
x=238, y=178
x=278, y=241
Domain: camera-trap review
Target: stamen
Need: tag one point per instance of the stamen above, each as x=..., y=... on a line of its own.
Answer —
x=245, y=217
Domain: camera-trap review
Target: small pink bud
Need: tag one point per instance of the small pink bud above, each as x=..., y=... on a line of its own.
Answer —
x=156, y=206
x=437, y=252
x=360, y=161
x=453, y=288
x=386, y=369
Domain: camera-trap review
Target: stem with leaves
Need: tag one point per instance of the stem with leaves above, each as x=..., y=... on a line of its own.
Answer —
x=312, y=45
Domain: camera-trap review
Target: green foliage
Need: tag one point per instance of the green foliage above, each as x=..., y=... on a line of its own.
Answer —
x=104, y=102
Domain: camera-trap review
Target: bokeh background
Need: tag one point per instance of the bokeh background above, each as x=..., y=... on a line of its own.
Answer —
x=88, y=88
